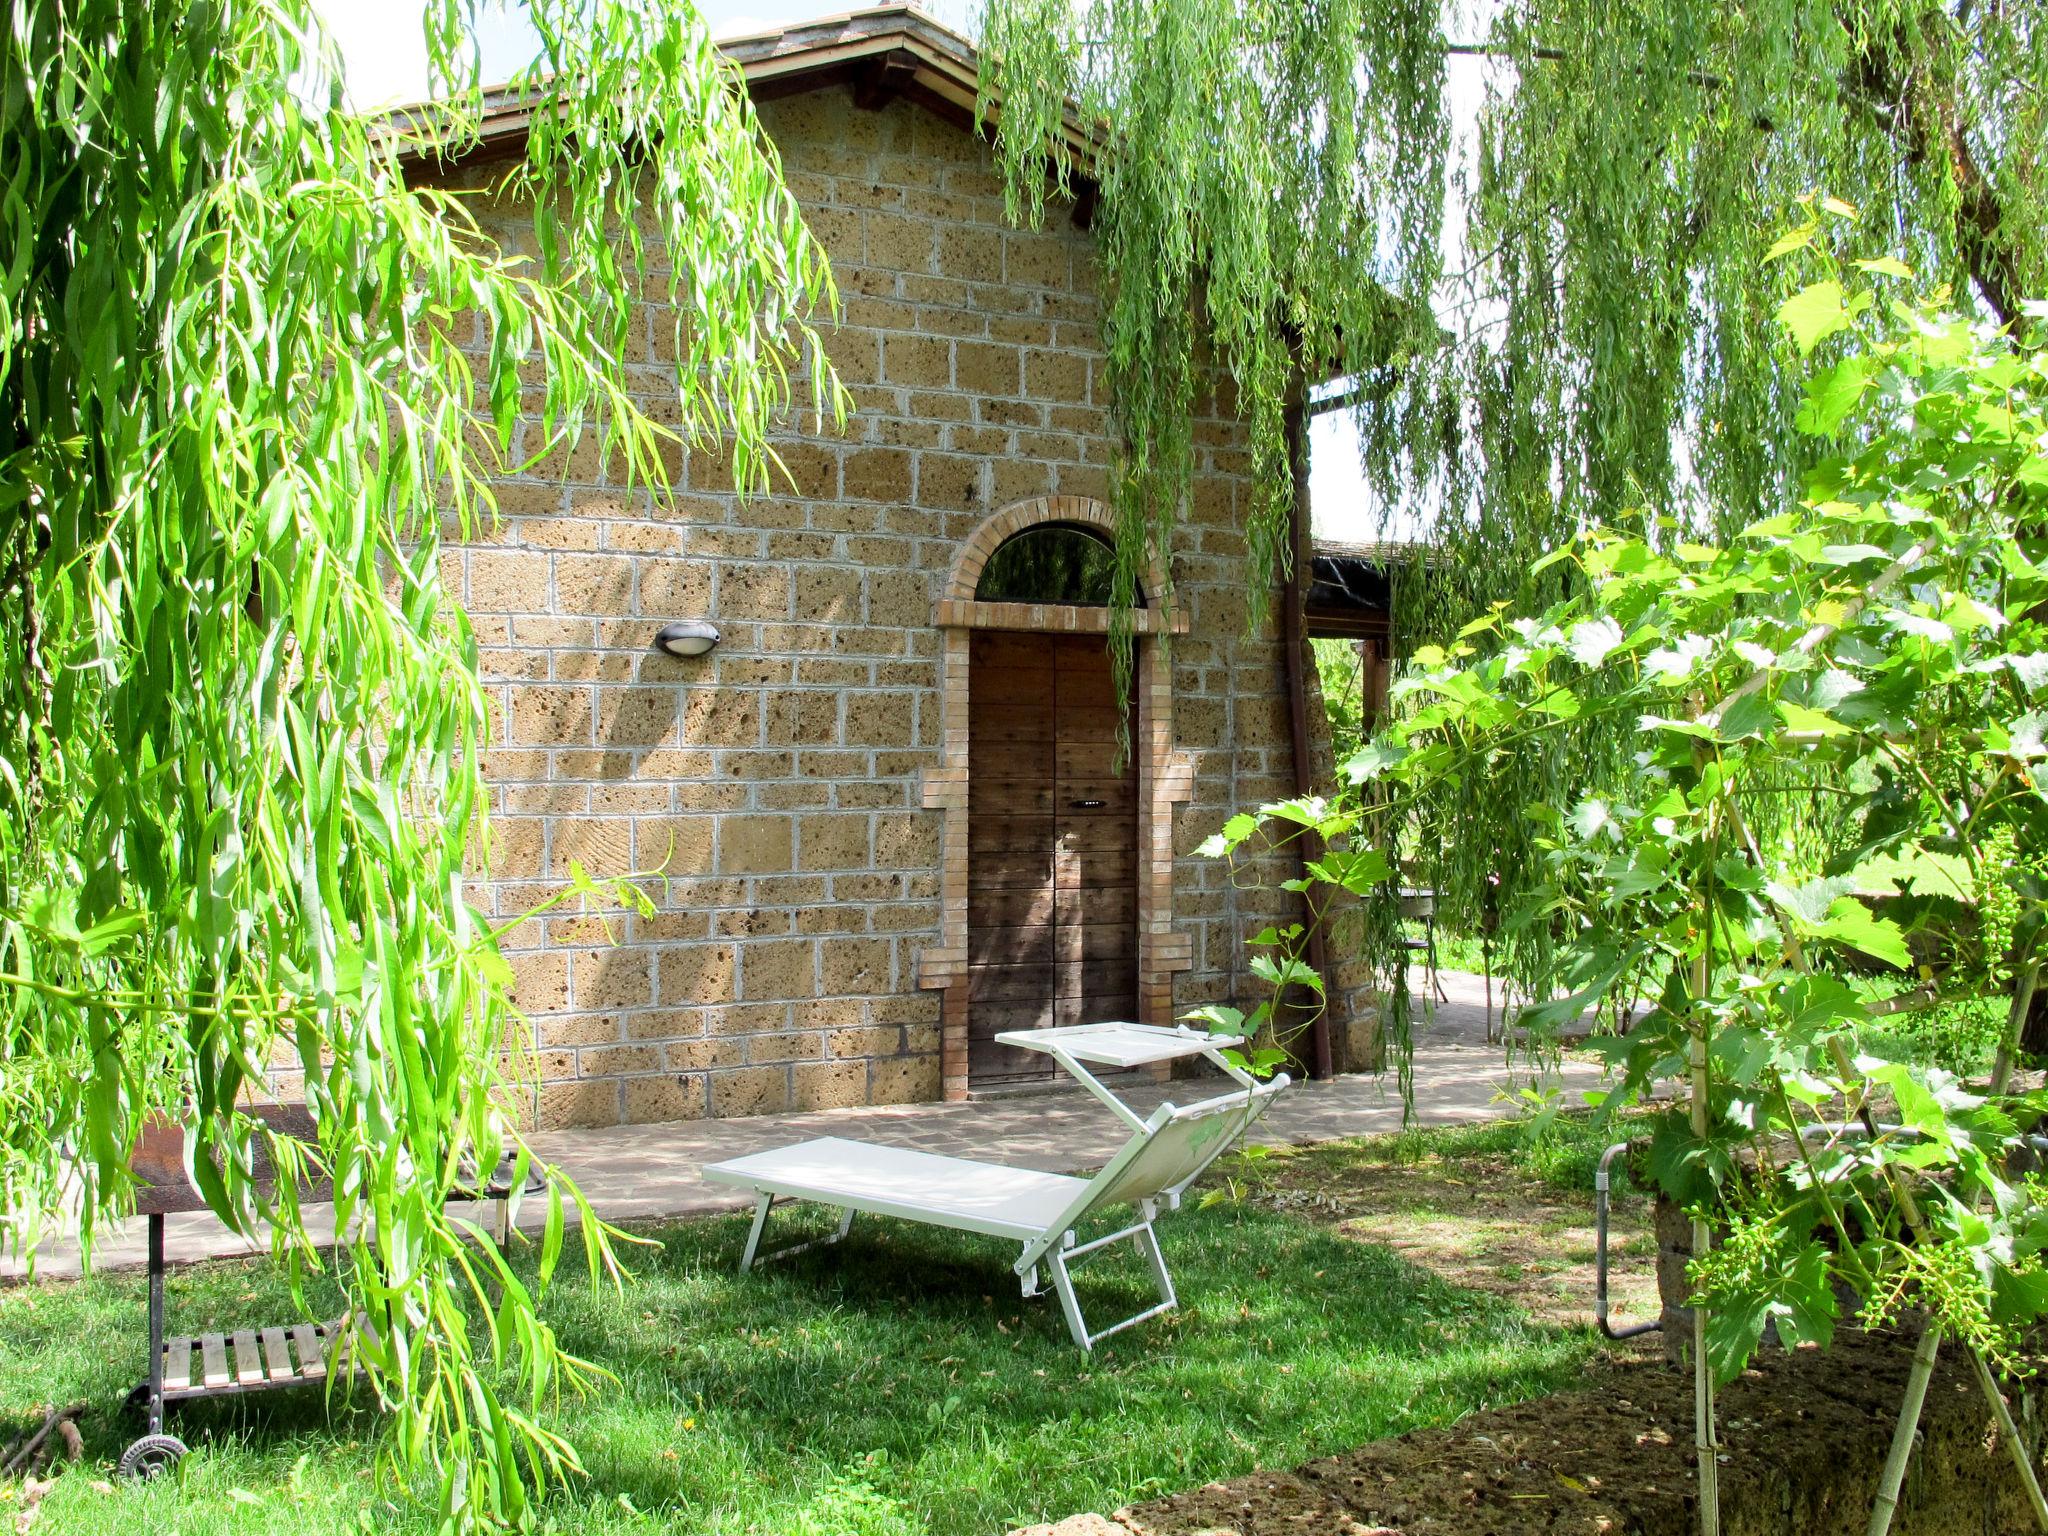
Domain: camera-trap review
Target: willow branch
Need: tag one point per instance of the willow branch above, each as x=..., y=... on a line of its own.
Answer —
x=1700, y=77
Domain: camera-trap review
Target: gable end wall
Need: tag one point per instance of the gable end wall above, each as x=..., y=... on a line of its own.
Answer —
x=777, y=780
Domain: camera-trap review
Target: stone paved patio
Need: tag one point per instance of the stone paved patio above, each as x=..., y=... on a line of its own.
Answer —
x=638, y=1173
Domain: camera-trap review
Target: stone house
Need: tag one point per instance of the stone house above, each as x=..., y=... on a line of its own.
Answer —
x=885, y=803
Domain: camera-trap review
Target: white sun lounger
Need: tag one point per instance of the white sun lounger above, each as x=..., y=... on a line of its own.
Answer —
x=1041, y=1211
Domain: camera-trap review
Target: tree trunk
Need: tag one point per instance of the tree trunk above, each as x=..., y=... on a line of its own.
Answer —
x=1896, y=81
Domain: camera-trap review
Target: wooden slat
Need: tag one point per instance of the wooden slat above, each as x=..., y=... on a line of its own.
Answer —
x=1091, y=760
x=1097, y=941
x=989, y=791
x=1088, y=652
x=1109, y=905
x=1010, y=944
x=312, y=1348
x=1098, y=1010
x=337, y=1345
x=994, y=685
x=277, y=1357
x=995, y=833
x=1089, y=694
x=1027, y=867
x=1101, y=872
x=1000, y=648
x=1118, y=801
x=1104, y=867
x=993, y=1018
x=1094, y=845
x=994, y=731
x=1021, y=983
x=1012, y=758
x=1106, y=978
x=994, y=906
x=989, y=1063
x=1086, y=725
x=1013, y=983
x=213, y=1351
x=248, y=1358
x=1119, y=795
x=177, y=1364
x=1080, y=832
x=990, y=1019
x=1099, y=782
x=1098, y=869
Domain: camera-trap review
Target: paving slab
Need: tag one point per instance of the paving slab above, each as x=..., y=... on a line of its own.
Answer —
x=645, y=1172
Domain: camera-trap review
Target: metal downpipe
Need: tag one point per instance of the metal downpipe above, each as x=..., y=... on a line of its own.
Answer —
x=1601, y=1185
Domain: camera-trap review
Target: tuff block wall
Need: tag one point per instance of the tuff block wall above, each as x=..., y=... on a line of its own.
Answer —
x=776, y=783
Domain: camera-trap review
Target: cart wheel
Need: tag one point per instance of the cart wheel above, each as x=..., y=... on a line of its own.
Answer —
x=151, y=1456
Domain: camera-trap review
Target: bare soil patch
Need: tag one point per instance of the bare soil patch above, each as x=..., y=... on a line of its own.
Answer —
x=1803, y=1433
x=1480, y=1220
x=1803, y=1441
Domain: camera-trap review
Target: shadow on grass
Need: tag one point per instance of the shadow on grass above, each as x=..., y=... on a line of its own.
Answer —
x=908, y=1352
x=893, y=1385
x=89, y=1341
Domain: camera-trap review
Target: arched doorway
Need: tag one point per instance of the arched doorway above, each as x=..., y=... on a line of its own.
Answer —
x=1057, y=883
x=1052, y=909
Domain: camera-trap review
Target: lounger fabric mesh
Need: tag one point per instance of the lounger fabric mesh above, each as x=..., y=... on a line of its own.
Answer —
x=1042, y=1211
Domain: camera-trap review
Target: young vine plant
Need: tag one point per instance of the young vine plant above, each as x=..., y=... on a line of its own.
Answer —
x=1879, y=647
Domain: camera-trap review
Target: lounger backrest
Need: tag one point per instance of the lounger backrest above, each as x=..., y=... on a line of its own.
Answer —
x=1171, y=1152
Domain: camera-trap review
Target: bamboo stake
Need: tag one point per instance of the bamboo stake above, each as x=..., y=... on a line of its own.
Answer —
x=1923, y=1355
x=1706, y=1443
x=2024, y=986
x=2024, y=983
x=1907, y=1428
x=2014, y=1445
x=1909, y=1208
x=1908, y=1425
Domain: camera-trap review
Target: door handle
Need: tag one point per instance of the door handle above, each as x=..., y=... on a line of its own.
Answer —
x=1087, y=805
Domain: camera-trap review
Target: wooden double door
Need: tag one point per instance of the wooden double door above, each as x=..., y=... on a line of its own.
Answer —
x=1052, y=894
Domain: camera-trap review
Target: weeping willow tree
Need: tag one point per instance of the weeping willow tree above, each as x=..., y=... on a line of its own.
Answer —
x=248, y=375
x=1529, y=240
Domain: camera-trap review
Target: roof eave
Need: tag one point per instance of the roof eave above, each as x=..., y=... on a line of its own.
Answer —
x=886, y=50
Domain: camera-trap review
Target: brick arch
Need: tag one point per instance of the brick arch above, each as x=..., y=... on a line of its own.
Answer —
x=999, y=527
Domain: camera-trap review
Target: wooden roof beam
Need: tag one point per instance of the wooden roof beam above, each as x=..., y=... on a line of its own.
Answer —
x=883, y=79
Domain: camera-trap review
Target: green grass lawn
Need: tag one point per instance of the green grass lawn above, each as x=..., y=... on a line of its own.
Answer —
x=895, y=1384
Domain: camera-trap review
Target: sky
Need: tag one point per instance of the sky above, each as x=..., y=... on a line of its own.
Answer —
x=385, y=61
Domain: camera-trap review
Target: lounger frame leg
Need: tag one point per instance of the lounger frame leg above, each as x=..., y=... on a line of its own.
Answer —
x=753, y=1253
x=1060, y=1257
x=763, y=1204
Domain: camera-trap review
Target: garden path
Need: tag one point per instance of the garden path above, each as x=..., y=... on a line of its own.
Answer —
x=643, y=1172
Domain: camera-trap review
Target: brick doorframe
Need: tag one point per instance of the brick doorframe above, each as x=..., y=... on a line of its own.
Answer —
x=1165, y=777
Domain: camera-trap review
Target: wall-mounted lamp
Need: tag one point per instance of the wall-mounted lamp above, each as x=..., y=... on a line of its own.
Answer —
x=686, y=637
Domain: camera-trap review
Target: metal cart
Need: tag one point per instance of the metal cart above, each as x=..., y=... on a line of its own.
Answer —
x=185, y=1368
x=259, y=1358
